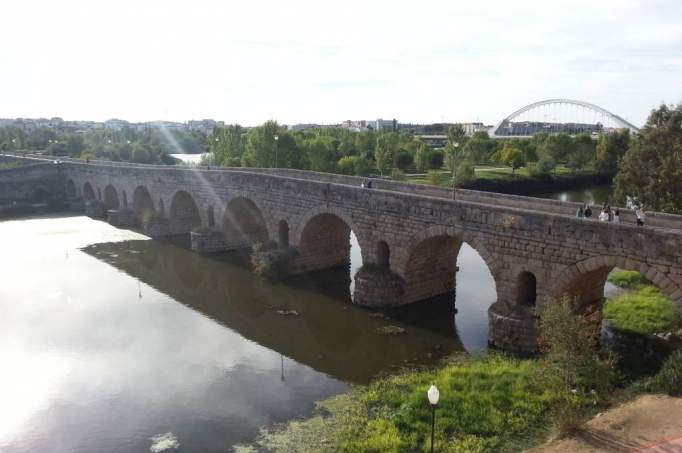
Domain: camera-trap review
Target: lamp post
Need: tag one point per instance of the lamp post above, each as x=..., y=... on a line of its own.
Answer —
x=276, y=139
x=433, y=394
x=454, y=169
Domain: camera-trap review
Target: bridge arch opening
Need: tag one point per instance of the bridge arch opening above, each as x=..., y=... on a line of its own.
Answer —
x=327, y=242
x=526, y=289
x=143, y=206
x=243, y=223
x=110, y=197
x=383, y=255
x=162, y=208
x=125, y=199
x=88, y=192
x=211, y=217
x=40, y=195
x=70, y=189
x=449, y=271
x=184, y=212
x=283, y=234
x=99, y=194
x=587, y=281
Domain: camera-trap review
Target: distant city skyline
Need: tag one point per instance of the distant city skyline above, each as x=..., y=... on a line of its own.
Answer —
x=303, y=62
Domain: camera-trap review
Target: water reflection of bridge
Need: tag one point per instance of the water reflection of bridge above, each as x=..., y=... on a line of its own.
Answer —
x=328, y=335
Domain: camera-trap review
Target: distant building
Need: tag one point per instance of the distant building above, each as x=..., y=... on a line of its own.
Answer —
x=386, y=124
x=115, y=124
x=205, y=127
x=471, y=128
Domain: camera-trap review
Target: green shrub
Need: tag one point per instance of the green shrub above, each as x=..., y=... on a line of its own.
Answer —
x=628, y=279
x=644, y=311
x=437, y=178
x=397, y=175
x=669, y=378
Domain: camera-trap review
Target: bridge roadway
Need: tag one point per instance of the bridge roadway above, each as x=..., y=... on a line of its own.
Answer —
x=410, y=235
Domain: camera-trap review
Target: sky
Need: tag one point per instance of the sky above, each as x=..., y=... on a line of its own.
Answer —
x=324, y=62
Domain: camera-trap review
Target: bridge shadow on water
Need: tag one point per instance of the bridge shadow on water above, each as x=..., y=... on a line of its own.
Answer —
x=309, y=319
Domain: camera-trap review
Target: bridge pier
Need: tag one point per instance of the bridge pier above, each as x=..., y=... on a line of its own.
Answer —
x=377, y=287
x=75, y=204
x=95, y=209
x=512, y=327
x=121, y=217
x=208, y=241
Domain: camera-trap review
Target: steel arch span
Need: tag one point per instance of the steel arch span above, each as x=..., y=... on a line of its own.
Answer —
x=595, y=108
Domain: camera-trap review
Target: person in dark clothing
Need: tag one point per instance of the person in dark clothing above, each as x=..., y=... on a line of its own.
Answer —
x=369, y=184
x=588, y=212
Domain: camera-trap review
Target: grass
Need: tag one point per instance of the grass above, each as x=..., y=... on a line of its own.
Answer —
x=492, y=404
x=9, y=164
x=644, y=310
x=628, y=279
x=497, y=173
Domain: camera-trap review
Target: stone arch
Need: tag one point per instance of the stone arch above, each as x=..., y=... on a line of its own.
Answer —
x=323, y=240
x=110, y=197
x=586, y=279
x=303, y=221
x=143, y=206
x=88, y=192
x=40, y=195
x=99, y=194
x=243, y=223
x=383, y=255
x=429, y=266
x=162, y=208
x=283, y=234
x=70, y=189
x=125, y=198
x=526, y=288
x=184, y=212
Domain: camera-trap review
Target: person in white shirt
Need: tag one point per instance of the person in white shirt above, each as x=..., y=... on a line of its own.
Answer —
x=604, y=216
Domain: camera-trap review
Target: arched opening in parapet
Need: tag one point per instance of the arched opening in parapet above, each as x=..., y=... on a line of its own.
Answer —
x=328, y=243
x=143, y=206
x=383, y=255
x=125, y=199
x=88, y=192
x=70, y=189
x=40, y=195
x=283, y=234
x=243, y=223
x=184, y=212
x=110, y=197
x=526, y=289
x=211, y=217
x=452, y=273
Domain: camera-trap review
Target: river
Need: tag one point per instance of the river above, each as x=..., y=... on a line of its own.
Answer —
x=111, y=342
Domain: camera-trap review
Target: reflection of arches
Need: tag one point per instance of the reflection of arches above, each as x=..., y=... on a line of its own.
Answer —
x=184, y=212
x=383, y=255
x=70, y=189
x=125, y=199
x=585, y=280
x=526, y=290
x=188, y=271
x=143, y=206
x=243, y=222
x=88, y=193
x=283, y=234
x=110, y=197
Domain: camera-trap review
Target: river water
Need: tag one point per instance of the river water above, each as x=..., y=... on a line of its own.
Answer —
x=111, y=342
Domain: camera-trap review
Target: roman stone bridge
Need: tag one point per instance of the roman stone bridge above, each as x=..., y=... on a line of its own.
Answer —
x=409, y=235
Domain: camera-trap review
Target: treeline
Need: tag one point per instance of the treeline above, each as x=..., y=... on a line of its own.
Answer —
x=151, y=146
x=392, y=153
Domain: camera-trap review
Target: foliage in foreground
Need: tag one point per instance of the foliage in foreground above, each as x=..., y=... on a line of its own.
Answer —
x=643, y=311
x=669, y=378
x=490, y=404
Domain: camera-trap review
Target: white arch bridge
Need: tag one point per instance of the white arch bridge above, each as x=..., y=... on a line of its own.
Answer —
x=559, y=115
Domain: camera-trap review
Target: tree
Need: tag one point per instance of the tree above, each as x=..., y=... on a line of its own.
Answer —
x=455, y=146
x=435, y=159
x=384, y=151
x=321, y=154
x=421, y=157
x=610, y=150
x=583, y=152
x=650, y=173
x=403, y=160
x=228, y=145
x=140, y=154
x=260, y=146
x=512, y=157
x=465, y=171
x=346, y=165
x=547, y=157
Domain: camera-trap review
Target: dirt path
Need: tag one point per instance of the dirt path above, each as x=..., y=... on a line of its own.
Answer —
x=648, y=424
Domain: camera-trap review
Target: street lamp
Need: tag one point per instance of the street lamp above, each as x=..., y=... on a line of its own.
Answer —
x=276, y=139
x=433, y=394
x=454, y=168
